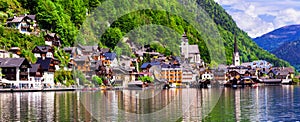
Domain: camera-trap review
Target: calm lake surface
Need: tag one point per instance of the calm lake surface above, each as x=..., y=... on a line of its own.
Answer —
x=274, y=103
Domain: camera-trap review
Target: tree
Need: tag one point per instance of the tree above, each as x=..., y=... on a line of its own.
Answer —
x=97, y=80
x=111, y=37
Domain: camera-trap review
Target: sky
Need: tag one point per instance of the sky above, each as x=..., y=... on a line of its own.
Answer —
x=258, y=17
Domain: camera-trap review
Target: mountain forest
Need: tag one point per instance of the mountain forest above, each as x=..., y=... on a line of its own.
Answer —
x=74, y=20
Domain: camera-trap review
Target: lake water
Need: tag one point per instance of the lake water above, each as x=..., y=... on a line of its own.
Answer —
x=274, y=103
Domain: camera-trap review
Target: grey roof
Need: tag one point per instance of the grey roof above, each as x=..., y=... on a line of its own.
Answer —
x=69, y=49
x=11, y=62
x=45, y=63
x=88, y=48
x=17, y=19
x=96, y=54
x=51, y=34
x=31, y=17
x=44, y=49
x=194, y=49
x=95, y=64
x=81, y=58
x=125, y=63
x=14, y=48
x=34, y=67
x=105, y=50
x=283, y=72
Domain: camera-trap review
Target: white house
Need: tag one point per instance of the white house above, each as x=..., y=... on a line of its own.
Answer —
x=15, y=72
x=26, y=24
x=48, y=66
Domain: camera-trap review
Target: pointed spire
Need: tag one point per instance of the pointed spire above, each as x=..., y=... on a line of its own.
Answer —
x=235, y=45
x=184, y=37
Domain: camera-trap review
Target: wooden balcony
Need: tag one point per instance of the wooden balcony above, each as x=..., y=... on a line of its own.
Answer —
x=24, y=66
x=24, y=73
x=51, y=70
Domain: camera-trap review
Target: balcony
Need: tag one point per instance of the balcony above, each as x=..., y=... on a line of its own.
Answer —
x=23, y=73
x=51, y=70
x=24, y=66
x=24, y=79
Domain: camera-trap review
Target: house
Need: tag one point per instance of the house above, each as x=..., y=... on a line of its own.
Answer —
x=110, y=59
x=188, y=76
x=15, y=50
x=122, y=76
x=234, y=71
x=146, y=66
x=82, y=63
x=172, y=73
x=48, y=66
x=6, y=54
x=260, y=64
x=190, y=52
x=104, y=71
x=26, y=24
x=36, y=73
x=15, y=71
x=43, y=51
x=86, y=50
x=71, y=51
x=52, y=39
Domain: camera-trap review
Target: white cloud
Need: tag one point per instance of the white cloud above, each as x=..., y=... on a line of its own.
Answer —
x=247, y=14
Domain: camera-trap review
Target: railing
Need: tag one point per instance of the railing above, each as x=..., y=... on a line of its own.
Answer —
x=23, y=73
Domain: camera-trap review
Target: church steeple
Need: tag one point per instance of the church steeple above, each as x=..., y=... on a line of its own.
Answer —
x=236, y=55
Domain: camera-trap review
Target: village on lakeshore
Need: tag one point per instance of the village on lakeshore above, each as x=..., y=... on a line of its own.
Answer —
x=102, y=67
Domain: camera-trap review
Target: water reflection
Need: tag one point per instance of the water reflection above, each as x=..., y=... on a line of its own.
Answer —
x=270, y=103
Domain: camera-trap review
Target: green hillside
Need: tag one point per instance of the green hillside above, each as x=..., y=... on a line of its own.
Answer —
x=69, y=17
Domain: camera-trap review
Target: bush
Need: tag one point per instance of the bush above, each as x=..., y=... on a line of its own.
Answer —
x=97, y=80
x=147, y=79
x=295, y=80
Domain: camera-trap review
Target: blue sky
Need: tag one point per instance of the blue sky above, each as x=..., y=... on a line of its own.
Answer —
x=258, y=17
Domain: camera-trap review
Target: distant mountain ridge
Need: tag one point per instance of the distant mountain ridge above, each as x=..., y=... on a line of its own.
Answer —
x=273, y=40
x=289, y=51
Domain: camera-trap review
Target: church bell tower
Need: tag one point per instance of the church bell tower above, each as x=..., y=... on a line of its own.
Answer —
x=236, y=55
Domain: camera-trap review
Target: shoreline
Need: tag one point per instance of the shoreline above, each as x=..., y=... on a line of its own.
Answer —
x=39, y=90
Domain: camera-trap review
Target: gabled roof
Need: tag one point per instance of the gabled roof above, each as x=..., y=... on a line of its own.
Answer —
x=81, y=58
x=51, y=34
x=105, y=50
x=145, y=65
x=193, y=49
x=69, y=49
x=12, y=62
x=41, y=49
x=31, y=17
x=110, y=56
x=88, y=48
x=283, y=72
x=34, y=68
x=17, y=19
x=45, y=63
x=14, y=48
x=20, y=18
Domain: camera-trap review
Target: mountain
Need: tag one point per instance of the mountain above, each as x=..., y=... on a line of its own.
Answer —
x=273, y=40
x=289, y=51
x=68, y=17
